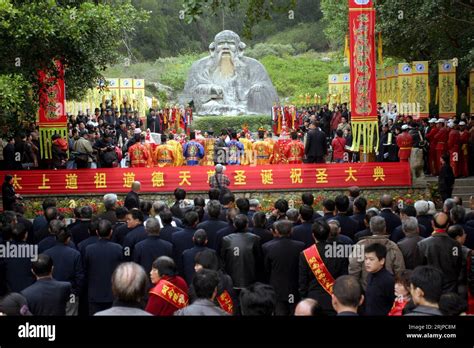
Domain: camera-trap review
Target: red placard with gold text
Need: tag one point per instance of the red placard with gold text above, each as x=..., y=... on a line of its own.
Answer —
x=243, y=178
x=362, y=60
x=52, y=112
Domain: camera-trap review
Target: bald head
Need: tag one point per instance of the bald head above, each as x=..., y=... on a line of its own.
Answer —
x=136, y=186
x=441, y=220
x=306, y=307
x=386, y=201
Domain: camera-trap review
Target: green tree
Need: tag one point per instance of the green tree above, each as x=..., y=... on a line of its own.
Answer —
x=84, y=35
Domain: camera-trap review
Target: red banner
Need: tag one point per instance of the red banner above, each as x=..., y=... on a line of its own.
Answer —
x=52, y=112
x=363, y=75
x=242, y=178
x=363, y=69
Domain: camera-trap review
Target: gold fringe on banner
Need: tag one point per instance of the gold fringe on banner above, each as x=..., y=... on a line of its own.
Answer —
x=45, y=139
x=437, y=96
x=380, y=49
x=363, y=134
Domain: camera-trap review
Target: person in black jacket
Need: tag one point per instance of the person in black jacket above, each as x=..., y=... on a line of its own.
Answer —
x=309, y=286
x=349, y=227
x=46, y=296
x=446, y=178
x=259, y=223
x=167, y=231
x=242, y=254
x=213, y=224
x=316, y=147
x=391, y=219
x=152, y=247
x=9, y=197
x=132, y=200
x=303, y=232
x=200, y=244
x=80, y=231
x=183, y=240
x=281, y=257
x=68, y=268
x=100, y=261
x=9, y=158
x=442, y=252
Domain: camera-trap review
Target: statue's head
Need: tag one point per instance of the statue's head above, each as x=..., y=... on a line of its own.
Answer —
x=226, y=43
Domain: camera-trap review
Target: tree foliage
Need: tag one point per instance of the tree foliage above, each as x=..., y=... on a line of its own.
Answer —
x=84, y=35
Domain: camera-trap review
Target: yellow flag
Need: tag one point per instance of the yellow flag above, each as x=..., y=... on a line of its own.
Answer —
x=347, y=51
x=379, y=49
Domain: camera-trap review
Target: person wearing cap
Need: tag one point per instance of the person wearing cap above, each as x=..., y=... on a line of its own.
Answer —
x=430, y=136
x=219, y=180
x=454, y=140
x=463, y=153
x=404, y=143
x=441, y=142
x=164, y=155
x=138, y=153
x=262, y=149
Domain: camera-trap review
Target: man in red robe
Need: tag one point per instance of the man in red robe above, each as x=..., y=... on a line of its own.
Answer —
x=404, y=143
x=463, y=153
x=441, y=141
x=454, y=141
x=432, y=150
x=294, y=150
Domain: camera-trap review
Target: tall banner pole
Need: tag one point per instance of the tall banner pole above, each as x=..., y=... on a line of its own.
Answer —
x=363, y=75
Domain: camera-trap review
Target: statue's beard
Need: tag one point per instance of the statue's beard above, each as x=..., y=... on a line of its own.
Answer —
x=225, y=64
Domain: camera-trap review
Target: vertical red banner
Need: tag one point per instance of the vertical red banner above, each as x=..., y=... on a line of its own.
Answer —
x=52, y=110
x=363, y=73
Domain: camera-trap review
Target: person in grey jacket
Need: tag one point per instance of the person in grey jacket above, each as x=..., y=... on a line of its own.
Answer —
x=205, y=287
x=129, y=285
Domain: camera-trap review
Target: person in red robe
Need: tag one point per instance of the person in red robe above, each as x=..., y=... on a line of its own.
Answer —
x=430, y=136
x=454, y=140
x=463, y=153
x=170, y=292
x=404, y=143
x=139, y=153
x=294, y=150
x=441, y=141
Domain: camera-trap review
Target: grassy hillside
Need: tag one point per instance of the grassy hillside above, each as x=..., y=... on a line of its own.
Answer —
x=292, y=75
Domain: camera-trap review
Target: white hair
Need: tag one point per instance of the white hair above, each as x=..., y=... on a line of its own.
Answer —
x=422, y=207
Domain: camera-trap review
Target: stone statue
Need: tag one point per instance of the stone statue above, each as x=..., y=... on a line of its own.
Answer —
x=227, y=83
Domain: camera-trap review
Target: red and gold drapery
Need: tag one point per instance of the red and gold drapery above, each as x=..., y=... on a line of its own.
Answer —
x=52, y=112
x=363, y=74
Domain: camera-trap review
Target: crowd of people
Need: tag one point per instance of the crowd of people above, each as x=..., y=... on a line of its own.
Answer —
x=222, y=255
x=109, y=139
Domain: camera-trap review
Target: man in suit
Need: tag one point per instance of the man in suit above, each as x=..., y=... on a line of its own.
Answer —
x=110, y=204
x=230, y=228
x=392, y=221
x=309, y=285
x=18, y=274
x=152, y=247
x=200, y=244
x=349, y=227
x=422, y=207
x=242, y=266
x=259, y=227
x=55, y=227
x=153, y=122
x=93, y=237
x=359, y=207
x=408, y=245
x=303, y=232
x=213, y=225
x=406, y=212
x=167, y=231
x=281, y=257
x=135, y=234
x=46, y=296
x=132, y=200
x=183, y=240
x=120, y=230
x=80, y=231
x=50, y=214
x=68, y=268
x=101, y=259
x=315, y=148
x=442, y=252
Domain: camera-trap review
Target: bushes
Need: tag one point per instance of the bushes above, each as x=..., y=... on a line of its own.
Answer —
x=216, y=123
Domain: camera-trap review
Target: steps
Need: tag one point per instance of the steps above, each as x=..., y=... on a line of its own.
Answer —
x=463, y=188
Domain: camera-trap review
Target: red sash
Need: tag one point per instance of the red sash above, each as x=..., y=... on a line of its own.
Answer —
x=170, y=293
x=320, y=271
x=225, y=302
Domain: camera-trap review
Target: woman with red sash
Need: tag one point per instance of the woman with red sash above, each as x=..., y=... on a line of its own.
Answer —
x=402, y=293
x=170, y=292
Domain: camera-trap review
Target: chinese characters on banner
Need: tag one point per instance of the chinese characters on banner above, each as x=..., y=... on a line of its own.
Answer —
x=261, y=178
